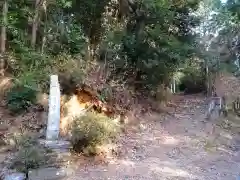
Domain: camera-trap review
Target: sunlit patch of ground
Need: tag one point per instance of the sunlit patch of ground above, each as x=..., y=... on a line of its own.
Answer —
x=78, y=104
x=72, y=108
x=171, y=149
x=5, y=85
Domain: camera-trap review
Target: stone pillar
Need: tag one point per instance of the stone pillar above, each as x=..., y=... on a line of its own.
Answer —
x=53, y=124
x=173, y=86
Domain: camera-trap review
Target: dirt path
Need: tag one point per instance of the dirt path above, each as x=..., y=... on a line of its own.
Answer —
x=183, y=147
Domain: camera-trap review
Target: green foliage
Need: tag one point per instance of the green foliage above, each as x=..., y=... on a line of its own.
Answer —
x=20, y=98
x=90, y=15
x=220, y=33
x=90, y=131
x=193, y=79
x=30, y=154
x=24, y=141
x=29, y=67
x=70, y=65
x=65, y=33
x=140, y=43
x=149, y=50
x=234, y=7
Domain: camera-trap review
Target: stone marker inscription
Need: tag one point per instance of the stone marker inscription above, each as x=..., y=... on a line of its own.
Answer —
x=54, y=109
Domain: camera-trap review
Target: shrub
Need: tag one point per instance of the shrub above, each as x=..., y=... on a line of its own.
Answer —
x=30, y=154
x=163, y=94
x=91, y=130
x=20, y=98
x=24, y=140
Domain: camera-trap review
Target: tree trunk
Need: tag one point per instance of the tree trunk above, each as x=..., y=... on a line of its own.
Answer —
x=3, y=28
x=208, y=79
x=3, y=36
x=44, y=39
x=35, y=23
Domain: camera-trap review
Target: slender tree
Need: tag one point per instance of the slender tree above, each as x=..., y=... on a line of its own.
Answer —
x=3, y=35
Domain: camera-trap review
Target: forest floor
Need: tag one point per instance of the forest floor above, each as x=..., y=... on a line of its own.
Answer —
x=179, y=145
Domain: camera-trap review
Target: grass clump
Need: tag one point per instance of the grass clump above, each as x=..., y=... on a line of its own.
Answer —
x=92, y=130
x=30, y=154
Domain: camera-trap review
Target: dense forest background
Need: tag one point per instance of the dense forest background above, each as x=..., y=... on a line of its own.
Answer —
x=140, y=46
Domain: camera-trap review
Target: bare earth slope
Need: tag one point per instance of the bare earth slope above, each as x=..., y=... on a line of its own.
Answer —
x=179, y=147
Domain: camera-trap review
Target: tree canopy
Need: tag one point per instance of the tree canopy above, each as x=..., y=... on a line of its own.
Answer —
x=139, y=43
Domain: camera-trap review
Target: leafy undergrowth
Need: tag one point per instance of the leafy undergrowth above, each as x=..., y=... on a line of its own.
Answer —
x=20, y=98
x=29, y=154
x=91, y=131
